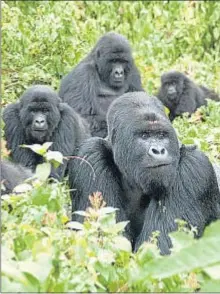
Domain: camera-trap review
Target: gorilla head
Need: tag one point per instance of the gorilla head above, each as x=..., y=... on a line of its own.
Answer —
x=39, y=113
x=152, y=141
x=173, y=84
x=113, y=59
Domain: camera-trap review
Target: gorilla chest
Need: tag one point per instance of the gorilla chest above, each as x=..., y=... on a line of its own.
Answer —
x=106, y=95
x=161, y=216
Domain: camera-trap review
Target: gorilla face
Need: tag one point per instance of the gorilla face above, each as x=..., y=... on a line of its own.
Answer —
x=172, y=84
x=150, y=157
x=118, y=72
x=113, y=60
x=39, y=113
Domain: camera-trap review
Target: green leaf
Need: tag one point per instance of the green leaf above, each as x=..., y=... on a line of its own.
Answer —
x=213, y=271
x=106, y=210
x=22, y=188
x=43, y=171
x=122, y=243
x=106, y=256
x=39, y=149
x=43, y=261
x=216, y=33
x=81, y=212
x=202, y=253
x=181, y=240
x=55, y=157
x=74, y=225
x=118, y=227
x=210, y=287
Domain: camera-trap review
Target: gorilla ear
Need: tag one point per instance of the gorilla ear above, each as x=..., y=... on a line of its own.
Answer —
x=184, y=148
x=62, y=106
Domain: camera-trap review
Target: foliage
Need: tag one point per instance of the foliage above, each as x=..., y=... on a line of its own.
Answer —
x=202, y=129
x=43, y=40
x=42, y=251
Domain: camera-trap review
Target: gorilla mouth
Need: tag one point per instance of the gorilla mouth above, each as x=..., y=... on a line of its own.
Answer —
x=39, y=134
x=118, y=81
x=171, y=96
x=39, y=130
x=159, y=165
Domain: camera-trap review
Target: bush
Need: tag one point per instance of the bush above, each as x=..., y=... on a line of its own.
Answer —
x=41, y=250
x=42, y=254
x=43, y=40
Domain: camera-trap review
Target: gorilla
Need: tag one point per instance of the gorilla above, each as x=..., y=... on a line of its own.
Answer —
x=179, y=94
x=12, y=175
x=39, y=117
x=141, y=169
x=217, y=172
x=106, y=73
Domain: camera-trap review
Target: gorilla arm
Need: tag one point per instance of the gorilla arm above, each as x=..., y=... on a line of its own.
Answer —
x=94, y=170
x=14, y=135
x=71, y=131
x=77, y=90
x=199, y=181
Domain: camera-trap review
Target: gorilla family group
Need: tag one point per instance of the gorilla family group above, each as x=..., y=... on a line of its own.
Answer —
x=103, y=116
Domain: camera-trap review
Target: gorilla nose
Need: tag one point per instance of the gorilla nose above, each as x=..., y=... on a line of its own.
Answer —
x=119, y=73
x=39, y=122
x=171, y=90
x=158, y=152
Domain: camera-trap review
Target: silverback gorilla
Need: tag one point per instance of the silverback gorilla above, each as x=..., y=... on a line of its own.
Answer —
x=106, y=73
x=141, y=169
x=39, y=117
x=180, y=94
x=12, y=175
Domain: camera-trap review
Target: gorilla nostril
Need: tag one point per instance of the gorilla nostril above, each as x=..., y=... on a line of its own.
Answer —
x=40, y=121
x=155, y=151
x=163, y=150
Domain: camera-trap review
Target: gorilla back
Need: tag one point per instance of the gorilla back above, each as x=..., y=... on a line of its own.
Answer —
x=106, y=73
x=40, y=116
x=141, y=169
x=12, y=175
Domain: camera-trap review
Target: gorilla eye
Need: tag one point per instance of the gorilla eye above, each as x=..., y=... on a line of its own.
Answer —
x=161, y=134
x=45, y=110
x=145, y=135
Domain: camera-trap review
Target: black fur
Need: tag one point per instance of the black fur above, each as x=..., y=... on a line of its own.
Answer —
x=141, y=169
x=217, y=172
x=185, y=95
x=90, y=87
x=39, y=117
x=12, y=175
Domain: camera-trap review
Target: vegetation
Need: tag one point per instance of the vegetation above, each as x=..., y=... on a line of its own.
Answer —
x=42, y=41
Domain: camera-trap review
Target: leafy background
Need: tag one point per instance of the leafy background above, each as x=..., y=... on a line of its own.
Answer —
x=41, y=42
